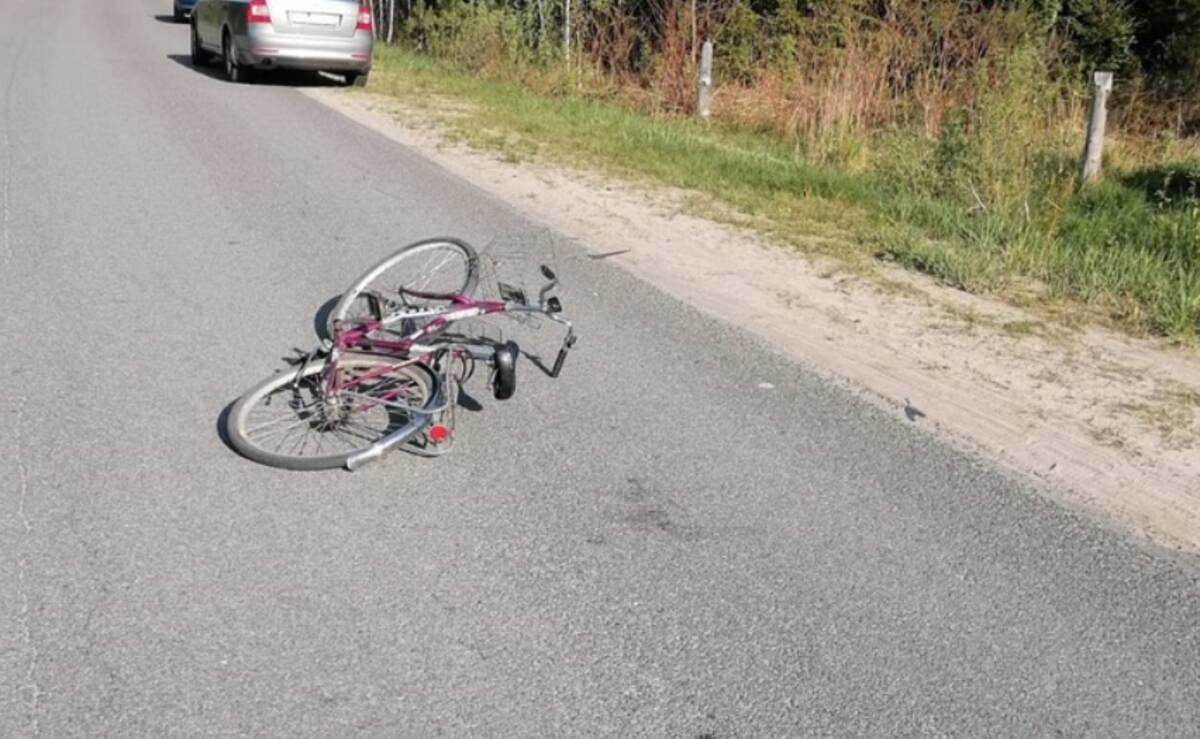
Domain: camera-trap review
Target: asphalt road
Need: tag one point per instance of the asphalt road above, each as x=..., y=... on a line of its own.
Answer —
x=655, y=545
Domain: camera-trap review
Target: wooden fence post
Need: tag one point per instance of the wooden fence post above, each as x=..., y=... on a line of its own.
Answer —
x=1093, y=151
x=705, y=82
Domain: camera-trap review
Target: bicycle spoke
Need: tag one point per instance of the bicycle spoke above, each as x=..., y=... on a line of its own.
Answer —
x=359, y=431
x=320, y=443
x=288, y=435
x=304, y=441
x=378, y=401
x=268, y=424
x=283, y=432
x=429, y=273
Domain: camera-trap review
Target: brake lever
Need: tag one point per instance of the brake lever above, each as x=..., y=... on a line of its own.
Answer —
x=553, y=283
x=545, y=291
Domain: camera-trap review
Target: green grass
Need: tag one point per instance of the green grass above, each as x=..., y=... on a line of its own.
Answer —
x=1127, y=250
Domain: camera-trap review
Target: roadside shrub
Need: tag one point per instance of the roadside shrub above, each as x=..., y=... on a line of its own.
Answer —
x=476, y=35
x=1167, y=42
x=737, y=46
x=1101, y=34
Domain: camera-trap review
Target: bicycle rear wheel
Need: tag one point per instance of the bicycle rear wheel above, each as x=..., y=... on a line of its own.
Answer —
x=286, y=420
x=426, y=274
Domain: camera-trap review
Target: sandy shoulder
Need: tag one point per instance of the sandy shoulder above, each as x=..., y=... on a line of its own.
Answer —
x=1105, y=422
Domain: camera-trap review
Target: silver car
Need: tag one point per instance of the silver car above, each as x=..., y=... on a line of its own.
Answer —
x=251, y=35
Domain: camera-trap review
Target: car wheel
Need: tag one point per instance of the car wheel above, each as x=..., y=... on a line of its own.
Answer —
x=357, y=79
x=234, y=70
x=200, y=56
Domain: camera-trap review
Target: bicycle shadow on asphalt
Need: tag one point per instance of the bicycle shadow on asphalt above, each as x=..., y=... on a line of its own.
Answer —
x=321, y=318
x=223, y=427
x=273, y=78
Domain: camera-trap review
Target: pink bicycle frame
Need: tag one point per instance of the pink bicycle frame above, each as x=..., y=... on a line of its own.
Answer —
x=358, y=338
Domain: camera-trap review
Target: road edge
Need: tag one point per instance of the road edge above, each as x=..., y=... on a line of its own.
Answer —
x=1069, y=465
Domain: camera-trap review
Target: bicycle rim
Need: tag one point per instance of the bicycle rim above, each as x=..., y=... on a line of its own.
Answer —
x=287, y=421
x=421, y=275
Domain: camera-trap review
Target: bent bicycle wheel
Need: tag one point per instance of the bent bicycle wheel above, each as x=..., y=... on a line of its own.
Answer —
x=286, y=420
x=422, y=275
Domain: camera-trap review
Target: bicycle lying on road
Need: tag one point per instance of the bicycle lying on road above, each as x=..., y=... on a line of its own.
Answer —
x=391, y=371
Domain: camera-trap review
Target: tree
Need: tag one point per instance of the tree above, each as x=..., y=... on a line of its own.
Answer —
x=1100, y=33
x=1168, y=43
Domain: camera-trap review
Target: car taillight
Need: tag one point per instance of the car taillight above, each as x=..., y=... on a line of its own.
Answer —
x=364, y=17
x=258, y=12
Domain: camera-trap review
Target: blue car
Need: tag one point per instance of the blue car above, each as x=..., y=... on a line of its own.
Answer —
x=183, y=10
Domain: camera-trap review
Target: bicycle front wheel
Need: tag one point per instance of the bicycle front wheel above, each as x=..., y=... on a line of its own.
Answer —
x=422, y=275
x=288, y=421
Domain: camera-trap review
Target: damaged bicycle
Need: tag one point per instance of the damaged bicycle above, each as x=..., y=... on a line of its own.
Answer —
x=391, y=370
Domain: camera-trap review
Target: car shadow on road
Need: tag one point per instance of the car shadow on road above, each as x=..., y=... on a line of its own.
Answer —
x=273, y=78
x=210, y=70
x=168, y=18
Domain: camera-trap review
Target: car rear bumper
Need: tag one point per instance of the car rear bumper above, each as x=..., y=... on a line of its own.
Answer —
x=265, y=49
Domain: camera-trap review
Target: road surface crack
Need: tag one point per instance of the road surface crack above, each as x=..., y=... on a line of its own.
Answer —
x=31, y=691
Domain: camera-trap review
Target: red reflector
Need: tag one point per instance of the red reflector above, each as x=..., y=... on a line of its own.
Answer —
x=266, y=51
x=438, y=433
x=364, y=57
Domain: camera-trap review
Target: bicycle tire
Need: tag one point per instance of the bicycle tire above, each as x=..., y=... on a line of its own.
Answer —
x=242, y=434
x=433, y=289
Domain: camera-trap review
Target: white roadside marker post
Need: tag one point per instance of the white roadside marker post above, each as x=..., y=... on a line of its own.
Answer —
x=704, y=86
x=1093, y=151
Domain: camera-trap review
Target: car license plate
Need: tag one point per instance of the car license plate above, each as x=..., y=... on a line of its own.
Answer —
x=315, y=19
